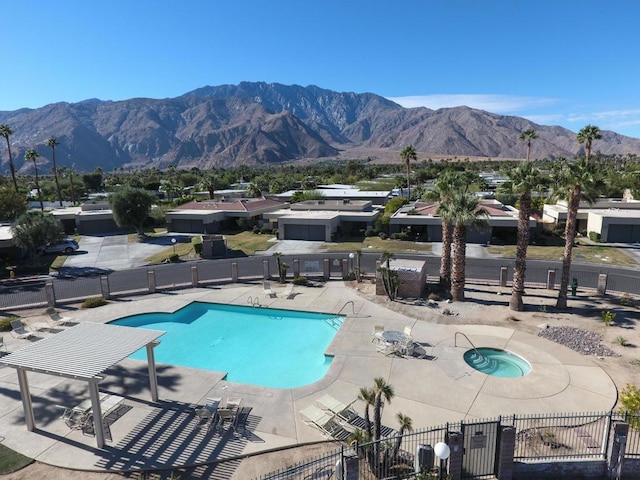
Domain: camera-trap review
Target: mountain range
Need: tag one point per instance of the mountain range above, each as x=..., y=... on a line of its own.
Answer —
x=257, y=123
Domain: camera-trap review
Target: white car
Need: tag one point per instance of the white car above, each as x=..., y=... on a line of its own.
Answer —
x=68, y=245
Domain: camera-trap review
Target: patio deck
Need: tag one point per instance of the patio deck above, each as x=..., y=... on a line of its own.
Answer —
x=433, y=386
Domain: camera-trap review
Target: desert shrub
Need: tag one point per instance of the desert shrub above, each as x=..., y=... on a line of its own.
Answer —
x=400, y=236
x=300, y=280
x=434, y=296
x=630, y=400
x=608, y=317
x=94, y=302
x=558, y=228
x=369, y=232
x=5, y=323
x=594, y=236
x=196, y=243
x=265, y=230
x=256, y=229
x=620, y=340
x=275, y=232
x=174, y=258
x=383, y=236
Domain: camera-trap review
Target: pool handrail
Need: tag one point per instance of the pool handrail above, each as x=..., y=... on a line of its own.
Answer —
x=455, y=343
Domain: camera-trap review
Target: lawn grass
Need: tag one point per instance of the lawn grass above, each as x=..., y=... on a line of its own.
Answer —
x=376, y=244
x=11, y=461
x=601, y=254
x=249, y=242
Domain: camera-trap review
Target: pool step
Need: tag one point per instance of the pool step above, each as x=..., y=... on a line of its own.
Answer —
x=335, y=322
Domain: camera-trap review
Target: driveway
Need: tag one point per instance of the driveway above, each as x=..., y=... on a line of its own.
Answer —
x=114, y=252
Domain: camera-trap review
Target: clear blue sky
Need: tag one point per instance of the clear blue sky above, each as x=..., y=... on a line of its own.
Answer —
x=557, y=62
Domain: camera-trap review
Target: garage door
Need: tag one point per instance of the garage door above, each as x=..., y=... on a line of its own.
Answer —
x=623, y=233
x=187, y=226
x=304, y=232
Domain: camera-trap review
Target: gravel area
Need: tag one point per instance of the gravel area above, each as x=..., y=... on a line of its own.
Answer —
x=582, y=341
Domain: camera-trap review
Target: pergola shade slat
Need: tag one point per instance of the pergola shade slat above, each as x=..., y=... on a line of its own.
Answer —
x=84, y=351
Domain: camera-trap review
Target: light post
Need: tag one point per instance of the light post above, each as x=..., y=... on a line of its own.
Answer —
x=173, y=242
x=351, y=257
x=442, y=451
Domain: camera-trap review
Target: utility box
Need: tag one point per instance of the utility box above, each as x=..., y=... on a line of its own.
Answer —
x=412, y=275
x=214, y=246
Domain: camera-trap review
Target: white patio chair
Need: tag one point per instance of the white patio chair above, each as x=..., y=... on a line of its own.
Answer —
x=376, y=336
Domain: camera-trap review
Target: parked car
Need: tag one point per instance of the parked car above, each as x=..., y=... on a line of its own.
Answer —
x=68, y=245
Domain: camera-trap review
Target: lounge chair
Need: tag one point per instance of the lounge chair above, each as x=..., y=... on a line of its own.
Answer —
x=288, y=291
x=19, y=330
x=376, y=336
x=325, y=422
x=407, y=331
x=58, y=319
x=266, y=287
x=335, y=406
x=3, y=345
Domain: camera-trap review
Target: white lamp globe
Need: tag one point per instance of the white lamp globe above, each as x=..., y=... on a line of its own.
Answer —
x=442, y=450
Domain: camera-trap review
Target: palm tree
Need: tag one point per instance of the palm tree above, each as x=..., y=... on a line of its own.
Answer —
x=253, y=190
x=462, y=211
x=64, y=171
x=406, y=425
x=446, y=185
x=6, y=132
x=407, y=154
x=573, y=182
x=528, y=136
x=382, y=392
x=523, y=180
x=368, y=396
x=587, y=135
x=32, y=155
x=53, y=143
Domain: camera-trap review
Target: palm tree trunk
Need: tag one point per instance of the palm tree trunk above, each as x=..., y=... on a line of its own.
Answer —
x=459, y=256
x=12, y=167
x=55, y=175
x=445, y=261
x=569, y=237
x=516, y=303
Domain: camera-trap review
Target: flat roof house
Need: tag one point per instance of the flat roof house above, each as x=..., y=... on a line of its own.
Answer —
x=214, y=216
x=321, y=220
x=615, y=220
x=425, y=224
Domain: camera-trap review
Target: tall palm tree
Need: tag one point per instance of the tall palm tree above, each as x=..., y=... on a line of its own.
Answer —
x=407, y=154
x=382, y=392
x=463, y=211
x=368, y=396
x=528, y=136
x=32, y=155
x=573, y=182
x=587, y=135
x=6, y=132
x=53, y=143
x=524, y=179
x=448, y=183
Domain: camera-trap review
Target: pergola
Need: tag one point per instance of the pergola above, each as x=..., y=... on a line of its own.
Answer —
x=83, y=352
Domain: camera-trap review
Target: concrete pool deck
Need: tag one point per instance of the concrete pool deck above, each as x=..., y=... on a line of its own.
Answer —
x=432, y=387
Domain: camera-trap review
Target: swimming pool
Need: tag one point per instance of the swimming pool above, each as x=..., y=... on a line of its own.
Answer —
x=497, y=362
x=259, y=346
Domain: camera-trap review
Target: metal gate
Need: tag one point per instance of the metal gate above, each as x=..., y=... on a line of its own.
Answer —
x=480, y=449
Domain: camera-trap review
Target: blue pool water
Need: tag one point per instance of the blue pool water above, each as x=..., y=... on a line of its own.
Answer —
x=497, y=362
x=259, y=346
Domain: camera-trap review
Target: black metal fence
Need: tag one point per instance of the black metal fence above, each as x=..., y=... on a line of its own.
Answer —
x=546, y=437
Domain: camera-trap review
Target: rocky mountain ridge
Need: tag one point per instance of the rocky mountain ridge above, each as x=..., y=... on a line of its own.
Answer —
x=259, y=123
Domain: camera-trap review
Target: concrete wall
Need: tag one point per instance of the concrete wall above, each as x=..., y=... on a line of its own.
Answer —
x=555, y=470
